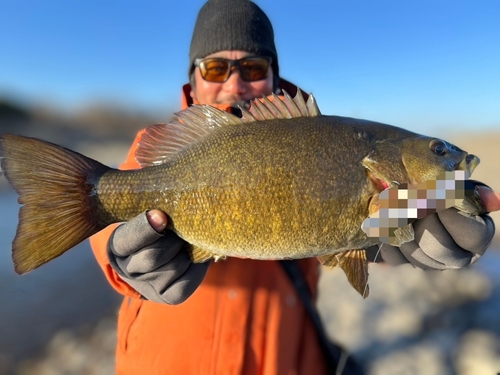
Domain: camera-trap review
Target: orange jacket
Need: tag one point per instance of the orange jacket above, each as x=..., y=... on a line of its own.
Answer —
x=245, y=318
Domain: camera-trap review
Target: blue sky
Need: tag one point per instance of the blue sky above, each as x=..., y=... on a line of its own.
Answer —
x=423, y=65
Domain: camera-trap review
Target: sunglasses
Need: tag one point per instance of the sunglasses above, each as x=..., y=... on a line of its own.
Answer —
x=217, y=69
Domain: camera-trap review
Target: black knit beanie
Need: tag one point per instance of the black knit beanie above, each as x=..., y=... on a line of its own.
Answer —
x=232, y=25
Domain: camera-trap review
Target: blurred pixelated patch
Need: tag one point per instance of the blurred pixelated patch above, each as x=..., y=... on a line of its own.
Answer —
x=402, y=204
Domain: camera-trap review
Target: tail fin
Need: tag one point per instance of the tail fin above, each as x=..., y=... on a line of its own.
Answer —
x=56, y=187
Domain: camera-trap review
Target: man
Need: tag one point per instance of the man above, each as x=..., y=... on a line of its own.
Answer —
x=246, y=317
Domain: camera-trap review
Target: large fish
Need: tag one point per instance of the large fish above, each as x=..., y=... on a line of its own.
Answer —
x=281, y=182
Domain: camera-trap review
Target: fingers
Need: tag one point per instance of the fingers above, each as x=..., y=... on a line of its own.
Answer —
x=135, y=234
x=161, y=272
x=450, y=239
x=438, y=244
x=152, y=259
x=472, y=233
x=392, y=255
x=157, y=219
x=490, y=199
x=185, y=285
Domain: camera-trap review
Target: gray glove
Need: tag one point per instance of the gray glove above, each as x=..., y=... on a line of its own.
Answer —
x=449, y=239
x=154, y=264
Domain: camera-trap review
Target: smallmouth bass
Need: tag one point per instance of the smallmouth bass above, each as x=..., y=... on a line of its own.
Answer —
x=282, y=182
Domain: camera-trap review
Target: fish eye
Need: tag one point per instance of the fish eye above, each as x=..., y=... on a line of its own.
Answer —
x=438, y=147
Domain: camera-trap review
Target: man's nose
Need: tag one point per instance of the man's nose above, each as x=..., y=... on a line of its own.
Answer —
x=234, y=83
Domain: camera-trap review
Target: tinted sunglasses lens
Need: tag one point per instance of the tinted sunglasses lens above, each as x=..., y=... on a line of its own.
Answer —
x=253, y=68
x=214, y=70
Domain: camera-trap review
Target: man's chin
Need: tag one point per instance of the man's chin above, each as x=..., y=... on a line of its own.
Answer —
x=241, y=103
x=234, y=103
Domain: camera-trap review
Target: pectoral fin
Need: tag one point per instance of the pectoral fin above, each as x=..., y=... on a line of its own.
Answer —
x=355, y=266
x=402, y=235
x=199, y=255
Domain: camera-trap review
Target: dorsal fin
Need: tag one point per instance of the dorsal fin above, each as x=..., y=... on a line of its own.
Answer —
x=286, y=107
x=161, y=142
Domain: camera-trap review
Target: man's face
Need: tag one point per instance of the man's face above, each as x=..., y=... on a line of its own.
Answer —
x=234, y=90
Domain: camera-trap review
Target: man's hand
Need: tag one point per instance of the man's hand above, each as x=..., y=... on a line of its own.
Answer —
x=490, y=199
x=449, y=239
x=152, y=259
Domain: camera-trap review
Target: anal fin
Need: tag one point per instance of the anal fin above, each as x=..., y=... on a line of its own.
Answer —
x=355, y=266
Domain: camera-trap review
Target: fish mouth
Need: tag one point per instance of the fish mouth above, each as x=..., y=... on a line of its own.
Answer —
x=380, y=183
x=378, y=175
x=468, y=164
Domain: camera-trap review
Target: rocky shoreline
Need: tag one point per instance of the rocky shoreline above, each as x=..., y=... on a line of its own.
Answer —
x=414, y=322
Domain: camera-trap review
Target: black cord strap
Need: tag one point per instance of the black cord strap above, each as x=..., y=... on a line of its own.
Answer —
x=338, y=360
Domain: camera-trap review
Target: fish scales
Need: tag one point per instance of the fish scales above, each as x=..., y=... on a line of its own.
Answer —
x=263, y=190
